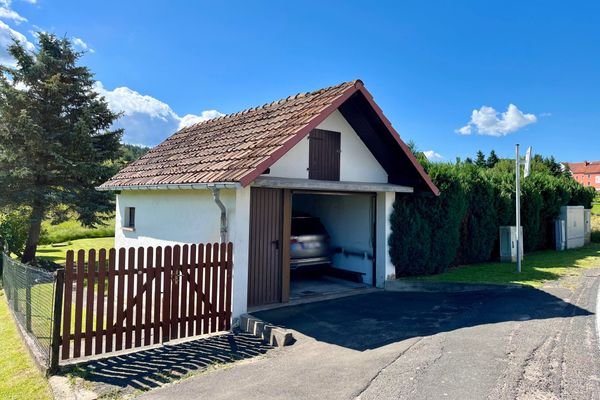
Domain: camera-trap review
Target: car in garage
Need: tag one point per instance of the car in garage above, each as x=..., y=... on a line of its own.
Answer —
x=309, y=243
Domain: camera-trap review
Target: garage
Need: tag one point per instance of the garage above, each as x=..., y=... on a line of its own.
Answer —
x=306, y=243
x=327, y=161
x=309, y=243
x=342, y=257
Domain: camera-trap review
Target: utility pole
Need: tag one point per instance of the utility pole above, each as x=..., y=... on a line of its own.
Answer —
x=527, y=165
x=518, y=207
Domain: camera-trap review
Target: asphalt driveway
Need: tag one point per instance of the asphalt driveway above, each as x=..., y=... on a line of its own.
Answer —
x=498, y=343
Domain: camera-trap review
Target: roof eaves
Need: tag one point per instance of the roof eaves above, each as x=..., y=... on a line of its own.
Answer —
x=171, y=186
x=403, y=145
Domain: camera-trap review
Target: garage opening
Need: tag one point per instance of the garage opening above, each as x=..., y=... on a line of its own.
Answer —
x=332, y=242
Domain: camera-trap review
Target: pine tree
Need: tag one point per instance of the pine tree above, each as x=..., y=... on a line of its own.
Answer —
x=492, y=159
x=480, y=159
x=56, y=141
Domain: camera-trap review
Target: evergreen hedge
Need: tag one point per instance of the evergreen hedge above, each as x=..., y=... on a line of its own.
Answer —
x=461, y=226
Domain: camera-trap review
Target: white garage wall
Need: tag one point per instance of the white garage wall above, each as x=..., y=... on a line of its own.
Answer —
x=169, y=217
x=357, y=163
x=348, y=220
x=385, y=207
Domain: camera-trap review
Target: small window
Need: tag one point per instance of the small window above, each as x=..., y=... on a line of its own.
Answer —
x=129, y=220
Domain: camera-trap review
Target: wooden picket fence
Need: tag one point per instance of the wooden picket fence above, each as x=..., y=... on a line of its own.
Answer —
x=128, y=298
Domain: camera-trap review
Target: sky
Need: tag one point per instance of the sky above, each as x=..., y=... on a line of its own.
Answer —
x=455, y=77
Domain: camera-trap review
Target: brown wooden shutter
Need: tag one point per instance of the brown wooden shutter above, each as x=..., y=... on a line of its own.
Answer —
x=324, y=155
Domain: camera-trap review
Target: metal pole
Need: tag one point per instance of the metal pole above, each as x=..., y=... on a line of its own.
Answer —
x=518, y=207
x=28, y=285
x=59, y=287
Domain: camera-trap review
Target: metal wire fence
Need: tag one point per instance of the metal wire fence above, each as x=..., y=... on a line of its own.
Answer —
x=30, y=295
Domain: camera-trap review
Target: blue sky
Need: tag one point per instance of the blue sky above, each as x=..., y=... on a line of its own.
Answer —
x=429, y=65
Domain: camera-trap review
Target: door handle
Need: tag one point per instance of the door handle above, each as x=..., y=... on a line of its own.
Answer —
x=276, y=243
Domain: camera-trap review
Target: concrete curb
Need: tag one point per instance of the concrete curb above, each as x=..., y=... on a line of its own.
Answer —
x=271, y=334
x=446, y=287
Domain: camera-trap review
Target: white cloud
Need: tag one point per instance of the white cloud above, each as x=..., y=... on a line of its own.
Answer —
x=433, y=156
x=147, y=120
x=79, y=44
x=488, y=121
x=6, y=39
x=191, y=119
x=7, y=13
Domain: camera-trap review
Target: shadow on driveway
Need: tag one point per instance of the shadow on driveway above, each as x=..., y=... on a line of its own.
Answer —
x=376, y=319
x=148, y=369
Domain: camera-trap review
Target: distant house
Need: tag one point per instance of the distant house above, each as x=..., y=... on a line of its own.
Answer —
x=587, y=173
x=330, y=153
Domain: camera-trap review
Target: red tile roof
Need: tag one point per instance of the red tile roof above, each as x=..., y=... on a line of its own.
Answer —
x=241, y=146
x=586, y=167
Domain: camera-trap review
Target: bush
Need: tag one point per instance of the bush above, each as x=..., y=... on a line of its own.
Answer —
x=596, y=228
x=479, y=227
x=13, y=230
x=426, y=230
x=461, y=226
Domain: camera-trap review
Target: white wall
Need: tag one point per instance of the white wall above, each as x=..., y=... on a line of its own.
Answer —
x=241, y=240
x=348, y=220
x=385, y=268
x=357, y=163
x=168, y=217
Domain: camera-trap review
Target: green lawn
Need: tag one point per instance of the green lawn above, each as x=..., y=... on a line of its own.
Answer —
x=58, y=253
x=72, y=230
x=537, y=268
x=19, y=378
x=596, y=208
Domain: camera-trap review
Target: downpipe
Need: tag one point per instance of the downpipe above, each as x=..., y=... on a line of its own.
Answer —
x=217, y=198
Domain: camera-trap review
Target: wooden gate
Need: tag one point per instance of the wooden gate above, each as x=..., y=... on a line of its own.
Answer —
x=116, y=300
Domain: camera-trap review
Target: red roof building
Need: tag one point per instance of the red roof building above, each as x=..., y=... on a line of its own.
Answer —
x=587, y=173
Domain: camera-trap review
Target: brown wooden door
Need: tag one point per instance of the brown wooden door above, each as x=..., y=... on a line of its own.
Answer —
x=266, y=247
x=324, y=155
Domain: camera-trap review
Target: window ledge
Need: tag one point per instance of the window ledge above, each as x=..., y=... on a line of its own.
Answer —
x=128, y=228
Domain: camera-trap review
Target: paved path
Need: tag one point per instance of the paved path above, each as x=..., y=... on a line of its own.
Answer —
x=499, y=344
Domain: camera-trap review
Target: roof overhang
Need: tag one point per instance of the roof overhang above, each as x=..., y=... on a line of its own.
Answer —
x=335, y=186
x=358, y=87
x=173, y=186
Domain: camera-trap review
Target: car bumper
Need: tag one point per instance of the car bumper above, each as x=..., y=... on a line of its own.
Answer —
x=296, y=263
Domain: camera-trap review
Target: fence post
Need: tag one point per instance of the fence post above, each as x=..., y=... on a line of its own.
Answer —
x=15, y=290
x=28, y=299
x=59, y=287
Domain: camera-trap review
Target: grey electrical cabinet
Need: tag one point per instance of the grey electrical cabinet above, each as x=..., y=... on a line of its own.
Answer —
x=508, y=243
x=560, y=234
x=574, y=225
x=587, y=226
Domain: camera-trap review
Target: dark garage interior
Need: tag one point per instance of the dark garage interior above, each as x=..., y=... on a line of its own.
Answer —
x=348, y=221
